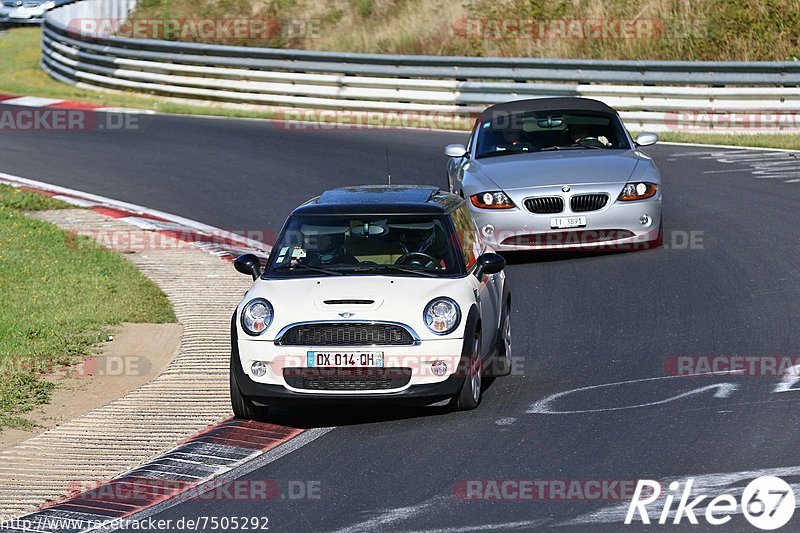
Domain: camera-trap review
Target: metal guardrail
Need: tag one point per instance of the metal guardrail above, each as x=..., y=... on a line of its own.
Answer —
x=654, y=95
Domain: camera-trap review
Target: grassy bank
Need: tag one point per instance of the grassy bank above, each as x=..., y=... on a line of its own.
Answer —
x=20, y=74
x=747, y=30
x=60, y=293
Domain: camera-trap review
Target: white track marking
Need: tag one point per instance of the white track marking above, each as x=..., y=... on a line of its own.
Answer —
x=765, y=164
x=387, y=517
x=31, y=101
x=543, y=407
x=724, y=147
x=711, y=484
x=790, y=378
x=524, y=524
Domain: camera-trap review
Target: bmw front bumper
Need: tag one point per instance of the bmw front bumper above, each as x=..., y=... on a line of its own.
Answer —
x=616, y=226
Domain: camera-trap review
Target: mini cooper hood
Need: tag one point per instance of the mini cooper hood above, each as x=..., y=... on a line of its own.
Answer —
x=569, y=167
x=354, y=298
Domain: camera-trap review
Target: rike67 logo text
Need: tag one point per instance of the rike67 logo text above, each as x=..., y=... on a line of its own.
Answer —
x=767, y=503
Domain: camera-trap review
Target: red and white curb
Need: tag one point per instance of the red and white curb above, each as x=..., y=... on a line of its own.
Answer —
x=222, y=243
x=221, y=453
x=56, y=103
x=199, y=469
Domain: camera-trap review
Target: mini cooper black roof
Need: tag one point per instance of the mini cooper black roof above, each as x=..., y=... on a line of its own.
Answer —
x=381, y=199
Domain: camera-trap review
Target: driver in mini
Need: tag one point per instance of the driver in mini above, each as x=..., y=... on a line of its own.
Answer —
x=324, y=249
x=420, y=241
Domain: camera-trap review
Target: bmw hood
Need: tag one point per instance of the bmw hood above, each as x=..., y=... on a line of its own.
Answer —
x=573, y=167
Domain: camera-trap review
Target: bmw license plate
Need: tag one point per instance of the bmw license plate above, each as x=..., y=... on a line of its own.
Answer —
x=567, y=222
x=345, y=359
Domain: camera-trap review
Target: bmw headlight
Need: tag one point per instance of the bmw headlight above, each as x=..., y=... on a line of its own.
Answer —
x=256, y=316
x=492, y=200
x=442, y=316
x=637, y=191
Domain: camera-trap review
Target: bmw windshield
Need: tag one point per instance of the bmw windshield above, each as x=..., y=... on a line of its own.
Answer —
x=517, y=133
x=335, y=245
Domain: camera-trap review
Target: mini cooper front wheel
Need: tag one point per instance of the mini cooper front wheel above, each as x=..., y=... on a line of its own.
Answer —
x=470, y=395
x=242, y=406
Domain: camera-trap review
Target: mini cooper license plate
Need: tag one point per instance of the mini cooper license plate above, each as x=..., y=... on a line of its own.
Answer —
x=345, y=359
x=567, y=222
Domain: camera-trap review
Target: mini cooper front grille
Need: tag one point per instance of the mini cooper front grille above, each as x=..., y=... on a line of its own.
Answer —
x=346, y=334
x=543, y=205
x=580, y=203
x=347, y=379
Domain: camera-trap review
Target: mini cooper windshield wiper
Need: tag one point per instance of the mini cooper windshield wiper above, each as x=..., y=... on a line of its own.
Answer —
x=307, y=267
x=396, y=268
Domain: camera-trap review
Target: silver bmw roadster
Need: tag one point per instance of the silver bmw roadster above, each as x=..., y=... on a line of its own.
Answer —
x=559, y=173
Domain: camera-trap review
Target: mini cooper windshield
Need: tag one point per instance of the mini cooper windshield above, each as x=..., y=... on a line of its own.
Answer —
x=335, y=245
x=515, y=133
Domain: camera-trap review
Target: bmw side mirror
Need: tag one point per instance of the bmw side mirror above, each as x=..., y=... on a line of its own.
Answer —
x=455, y=150
x=248, y=264
x=646, y=139
x=489, y=263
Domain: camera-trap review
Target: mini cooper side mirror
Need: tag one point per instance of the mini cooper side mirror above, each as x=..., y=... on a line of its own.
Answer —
x=248, y=264
x=455, y=150
x=646, y=139
x=489, y=263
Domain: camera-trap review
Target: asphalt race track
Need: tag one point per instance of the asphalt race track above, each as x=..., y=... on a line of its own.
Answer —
x=727, y=282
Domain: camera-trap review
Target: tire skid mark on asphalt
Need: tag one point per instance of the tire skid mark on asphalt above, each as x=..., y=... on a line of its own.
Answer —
x=715, y=484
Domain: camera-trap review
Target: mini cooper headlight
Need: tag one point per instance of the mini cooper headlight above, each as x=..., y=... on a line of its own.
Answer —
x=492, y=200
x=256, y=316
x=637, y=191
x=442, y=316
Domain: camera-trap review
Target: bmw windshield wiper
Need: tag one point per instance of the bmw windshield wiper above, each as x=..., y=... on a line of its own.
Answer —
x=505, y=152
x=307, y=267
x=576, y=146
x=397, y=268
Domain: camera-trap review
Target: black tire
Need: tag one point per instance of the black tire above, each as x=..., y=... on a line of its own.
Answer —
x=242, y=406
x=469, y=397
x=501, y=362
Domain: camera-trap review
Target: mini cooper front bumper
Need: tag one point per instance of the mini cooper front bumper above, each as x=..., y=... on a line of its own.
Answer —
x=407, y=377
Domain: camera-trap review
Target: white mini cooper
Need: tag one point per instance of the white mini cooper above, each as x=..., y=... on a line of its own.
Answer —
x=374, y=293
